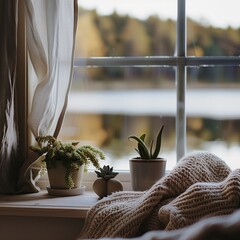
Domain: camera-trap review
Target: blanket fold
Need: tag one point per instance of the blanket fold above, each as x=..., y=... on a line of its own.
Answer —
x=202, y=200
x=122, y=214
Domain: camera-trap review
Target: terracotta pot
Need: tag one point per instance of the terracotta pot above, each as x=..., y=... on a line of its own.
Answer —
x=146, y=172
x=57, y=178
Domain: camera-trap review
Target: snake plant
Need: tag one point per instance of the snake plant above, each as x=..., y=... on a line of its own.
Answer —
x=143, y=150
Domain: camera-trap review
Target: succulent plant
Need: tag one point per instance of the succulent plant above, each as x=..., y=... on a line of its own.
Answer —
x=106, y=172
x=106, y=183
x=143, y=150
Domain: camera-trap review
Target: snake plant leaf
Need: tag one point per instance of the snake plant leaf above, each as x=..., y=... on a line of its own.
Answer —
x=143, y=150
x=137, y=151
x=143, y=137
x=158, y=143
x=151, y=149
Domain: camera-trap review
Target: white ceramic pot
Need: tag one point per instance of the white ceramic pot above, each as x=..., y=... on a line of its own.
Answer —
x=57, y=177
x=146, y=172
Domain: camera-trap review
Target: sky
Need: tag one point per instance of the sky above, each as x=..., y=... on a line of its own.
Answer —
x=220, y=13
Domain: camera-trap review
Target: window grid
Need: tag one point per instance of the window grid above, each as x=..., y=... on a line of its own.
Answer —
x=181, y=61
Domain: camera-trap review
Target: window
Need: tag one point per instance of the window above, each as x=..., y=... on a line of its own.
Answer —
x=174, y=63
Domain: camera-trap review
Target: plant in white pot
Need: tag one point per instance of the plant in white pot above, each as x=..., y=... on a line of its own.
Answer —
x=148, y=168
x=65, y=162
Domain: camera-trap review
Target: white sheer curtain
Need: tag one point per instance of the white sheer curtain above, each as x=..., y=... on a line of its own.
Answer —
x=50, y=39
x=50, y=27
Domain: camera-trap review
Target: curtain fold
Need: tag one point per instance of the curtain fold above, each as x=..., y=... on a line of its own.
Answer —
x=9, y=162
x=50, y=39
x=50, y=29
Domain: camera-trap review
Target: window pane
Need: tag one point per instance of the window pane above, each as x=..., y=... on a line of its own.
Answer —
x=213, y=113
x=126, y=28
x=213, y=28
x=106, y=105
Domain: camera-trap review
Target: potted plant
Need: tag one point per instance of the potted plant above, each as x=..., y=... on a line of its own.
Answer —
x=148, y=168
x=65, y=162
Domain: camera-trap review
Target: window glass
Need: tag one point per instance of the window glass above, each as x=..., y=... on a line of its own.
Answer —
x=213, y=28
x=106, y=105
x=213, y=113
x=126, y=28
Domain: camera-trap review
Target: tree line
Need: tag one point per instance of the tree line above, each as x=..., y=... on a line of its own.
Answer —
x=118, y=35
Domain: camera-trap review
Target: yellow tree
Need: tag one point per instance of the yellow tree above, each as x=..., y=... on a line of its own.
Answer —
x=135, y=39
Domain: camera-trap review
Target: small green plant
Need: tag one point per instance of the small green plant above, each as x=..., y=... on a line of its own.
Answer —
x=106, y=184
x=71, y=156
x=143, y=150
x=106, y=172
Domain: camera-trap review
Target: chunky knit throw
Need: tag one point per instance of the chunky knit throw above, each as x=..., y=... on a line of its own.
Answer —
x=201, y=185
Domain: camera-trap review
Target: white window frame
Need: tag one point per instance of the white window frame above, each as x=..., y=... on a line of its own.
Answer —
x=180, y=62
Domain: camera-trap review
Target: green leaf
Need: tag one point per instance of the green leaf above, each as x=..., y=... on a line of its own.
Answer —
x=158, y=144
x=143, y=137
x=142, y=147
x=151, y=149
x=106, y=172
x=141, y=150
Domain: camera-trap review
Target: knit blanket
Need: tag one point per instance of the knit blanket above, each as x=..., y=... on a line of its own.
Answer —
x=201, y=185
x=213, y=228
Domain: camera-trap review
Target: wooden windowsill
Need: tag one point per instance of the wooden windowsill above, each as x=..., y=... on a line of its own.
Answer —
x=41, y=204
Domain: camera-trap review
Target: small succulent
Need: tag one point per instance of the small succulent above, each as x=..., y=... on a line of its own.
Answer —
x=106, y=173
x=143, y=150
x=106, y=182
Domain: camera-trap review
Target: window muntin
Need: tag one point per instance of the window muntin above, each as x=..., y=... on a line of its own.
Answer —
x=180, y=61
x=106, y=108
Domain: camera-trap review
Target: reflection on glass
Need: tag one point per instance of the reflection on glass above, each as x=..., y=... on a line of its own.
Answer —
x=213, y=113
x=106, y=105
x=119, y=29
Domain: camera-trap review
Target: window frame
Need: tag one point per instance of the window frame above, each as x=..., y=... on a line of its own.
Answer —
x=180, y=62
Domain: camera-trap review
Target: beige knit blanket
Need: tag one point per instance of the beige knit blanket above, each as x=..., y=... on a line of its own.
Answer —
x=201, y=185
